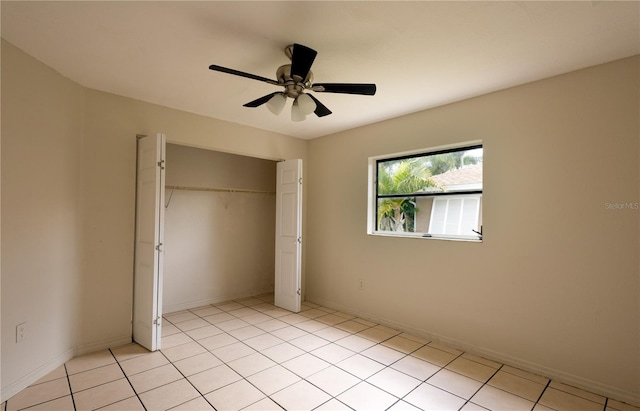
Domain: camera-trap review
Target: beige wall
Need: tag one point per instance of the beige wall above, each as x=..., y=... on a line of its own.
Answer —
x=194, y=167
x=554, y=287
x=41, y=140
x=219, y=245
x=68, y=198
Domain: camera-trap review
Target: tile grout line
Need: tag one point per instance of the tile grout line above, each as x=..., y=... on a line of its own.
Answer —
x=424, y=381
x=356, y=334
x=606, y=399
x=279, y=364
x=73, y=400
x=305, y=352
x=482, y=386
x=542, y=393
x=206, y=350
x=225, y=362
x=368, y=327
x=308, y=352
x=526, y=378
x=395, y=403
x=487, y=381
x=187, y=379
x=385, y=367
x=443, y=367
x=332, y=397
x=389, y=366
x=6, y=405
x=276, y=363
x=128, y=380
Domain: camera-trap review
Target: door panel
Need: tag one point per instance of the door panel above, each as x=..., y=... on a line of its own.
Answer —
x=147, y=287
x=288, y=235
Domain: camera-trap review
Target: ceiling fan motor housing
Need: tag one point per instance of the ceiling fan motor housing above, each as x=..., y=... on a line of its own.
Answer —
x=292, y=84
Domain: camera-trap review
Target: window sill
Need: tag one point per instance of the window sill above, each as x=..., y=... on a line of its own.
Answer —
x=422, y=236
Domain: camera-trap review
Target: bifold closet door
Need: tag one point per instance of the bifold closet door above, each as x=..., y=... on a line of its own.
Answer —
x=147, y=286
x=288, y=263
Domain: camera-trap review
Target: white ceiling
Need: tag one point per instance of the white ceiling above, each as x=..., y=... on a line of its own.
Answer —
x=420, y=54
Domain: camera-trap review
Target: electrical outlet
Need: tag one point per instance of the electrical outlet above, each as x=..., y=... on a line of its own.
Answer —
x=361, y=284
x=21, y=330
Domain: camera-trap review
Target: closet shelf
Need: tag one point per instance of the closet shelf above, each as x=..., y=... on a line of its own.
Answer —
x=216, y=189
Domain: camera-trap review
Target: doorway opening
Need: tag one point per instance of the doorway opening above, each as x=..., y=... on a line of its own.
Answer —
x=214, y=236
x=220, y=221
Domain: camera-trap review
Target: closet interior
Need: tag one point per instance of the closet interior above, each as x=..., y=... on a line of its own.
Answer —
x=219, y=227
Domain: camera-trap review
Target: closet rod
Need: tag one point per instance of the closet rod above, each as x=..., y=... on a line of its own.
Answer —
x=224, y=190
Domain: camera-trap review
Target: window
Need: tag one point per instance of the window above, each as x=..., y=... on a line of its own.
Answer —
x=434, y=193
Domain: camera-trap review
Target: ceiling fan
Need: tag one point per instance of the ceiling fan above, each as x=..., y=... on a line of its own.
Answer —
x=296, y=78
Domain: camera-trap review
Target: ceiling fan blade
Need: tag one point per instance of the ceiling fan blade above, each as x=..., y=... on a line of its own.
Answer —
x=242, y=74
x=260, y=101
x=321, y=110
x=345, y=88
x=301, y=60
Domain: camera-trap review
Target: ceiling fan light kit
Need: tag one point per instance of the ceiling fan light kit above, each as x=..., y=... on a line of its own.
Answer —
x=296, y=78
x=305, y=103
x=296, y=112
x=276, y=103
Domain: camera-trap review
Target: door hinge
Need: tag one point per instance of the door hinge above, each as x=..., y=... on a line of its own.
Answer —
x=299, y=291
x=157, y=321
x=299, y=240
x=159, y=247
x=300, y=181
x=161, y=164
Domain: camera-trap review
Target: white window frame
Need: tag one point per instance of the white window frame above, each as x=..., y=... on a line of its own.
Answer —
x=372, y=197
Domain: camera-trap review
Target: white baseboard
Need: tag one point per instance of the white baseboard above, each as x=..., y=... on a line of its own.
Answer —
x=103, y=345
x=187, y=305
x=26, y=380
x=548, y=372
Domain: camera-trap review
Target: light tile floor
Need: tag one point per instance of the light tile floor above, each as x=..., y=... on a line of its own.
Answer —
x=247, y=354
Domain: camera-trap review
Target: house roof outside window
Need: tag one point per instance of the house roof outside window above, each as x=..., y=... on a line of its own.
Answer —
x=464, y=178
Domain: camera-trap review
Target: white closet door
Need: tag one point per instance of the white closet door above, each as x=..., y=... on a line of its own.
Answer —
x=288, y=235
x=147, y=294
